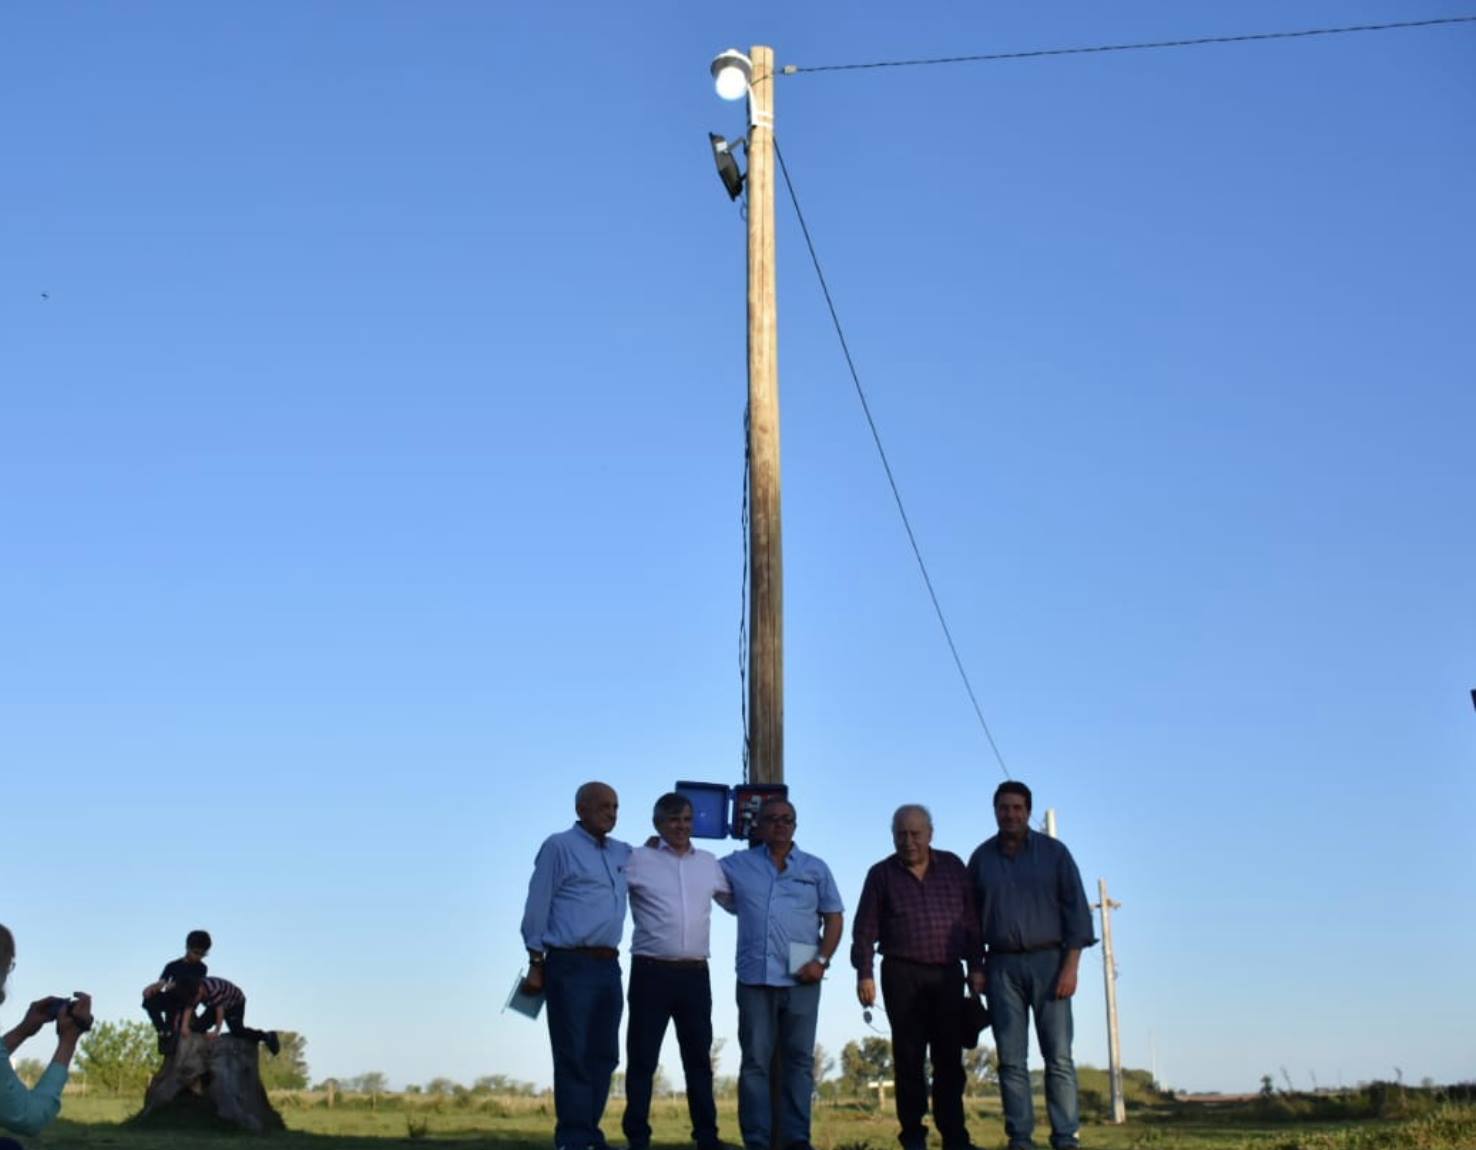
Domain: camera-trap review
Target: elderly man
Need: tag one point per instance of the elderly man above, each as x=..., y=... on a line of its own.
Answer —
x=572, y=925
x=672, y=888
x=789, y=925
x=918, y=904
x=1035, y=920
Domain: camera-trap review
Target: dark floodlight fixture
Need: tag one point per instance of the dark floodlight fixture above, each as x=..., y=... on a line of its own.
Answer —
x=732, y=72
x=727, y=165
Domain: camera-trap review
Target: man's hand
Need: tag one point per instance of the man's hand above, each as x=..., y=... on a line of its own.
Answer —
x=533, y=984
x=71, y=1022
x=1066, y=980
x=36, y=1016
x=978, y=982
x=866, y=991
x=812, y=971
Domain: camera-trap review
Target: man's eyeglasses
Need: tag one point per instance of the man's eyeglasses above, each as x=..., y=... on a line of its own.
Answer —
x=779, y=820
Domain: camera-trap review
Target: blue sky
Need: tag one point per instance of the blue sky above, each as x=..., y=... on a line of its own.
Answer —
x=370, y=479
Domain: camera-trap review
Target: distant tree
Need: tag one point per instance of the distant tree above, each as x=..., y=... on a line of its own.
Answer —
x=824, y=1063
x=29, y=1070
x=119, y=1057
x=864, y=1062
x=715, y=1055
x=981, y=1067
x=414, y=1088
x=440, y=1086
x=660, y=1083
x=374, y=1082
x=288, y=1069
x=500, y=1084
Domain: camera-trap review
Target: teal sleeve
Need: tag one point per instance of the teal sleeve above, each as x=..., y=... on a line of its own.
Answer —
x=26, y=1110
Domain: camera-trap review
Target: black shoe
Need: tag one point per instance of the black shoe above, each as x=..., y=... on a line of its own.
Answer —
x=273, y=1043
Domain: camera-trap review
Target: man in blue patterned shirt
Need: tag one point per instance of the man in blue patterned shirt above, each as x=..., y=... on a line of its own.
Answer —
x=572, y=923
x=789, y=924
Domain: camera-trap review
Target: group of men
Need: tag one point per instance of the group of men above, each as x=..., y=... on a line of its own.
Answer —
x=1010, y=925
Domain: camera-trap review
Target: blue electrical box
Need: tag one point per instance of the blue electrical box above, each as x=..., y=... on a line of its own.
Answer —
x=720, y=811
x=709, y=808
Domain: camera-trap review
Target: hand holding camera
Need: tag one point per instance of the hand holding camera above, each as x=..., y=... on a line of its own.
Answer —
x=73, y=1016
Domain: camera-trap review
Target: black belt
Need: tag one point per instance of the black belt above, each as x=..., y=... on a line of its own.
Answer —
x=591, y=951
x=1025, y=949
x=954, y=965
x=669, y=963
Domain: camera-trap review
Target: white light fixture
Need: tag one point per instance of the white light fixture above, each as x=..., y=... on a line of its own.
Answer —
x=732, y=72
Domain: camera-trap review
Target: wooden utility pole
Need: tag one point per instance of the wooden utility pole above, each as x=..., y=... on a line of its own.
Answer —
x=766, y=553
x=1109, y=973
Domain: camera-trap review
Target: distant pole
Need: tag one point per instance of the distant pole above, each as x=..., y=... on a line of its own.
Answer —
x=1050, y=822
x=1109, y=974
x=766, y=554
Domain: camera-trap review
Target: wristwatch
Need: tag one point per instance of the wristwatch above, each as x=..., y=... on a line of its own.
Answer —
x=535, y=960
x=823, y=960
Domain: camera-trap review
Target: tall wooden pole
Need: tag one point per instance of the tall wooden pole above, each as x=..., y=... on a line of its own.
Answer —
x=1109, y=973
x=765, y=543
x=766, y=554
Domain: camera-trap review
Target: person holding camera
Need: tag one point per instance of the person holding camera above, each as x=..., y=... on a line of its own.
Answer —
x=25, y=1110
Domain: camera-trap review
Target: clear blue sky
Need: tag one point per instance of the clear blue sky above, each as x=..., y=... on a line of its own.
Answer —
x=370, y=479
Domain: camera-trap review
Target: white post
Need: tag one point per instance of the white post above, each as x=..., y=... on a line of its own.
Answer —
x=1109, y=974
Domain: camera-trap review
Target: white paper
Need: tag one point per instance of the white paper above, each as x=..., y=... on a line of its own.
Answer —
x=800, y=954
x=530, y=1005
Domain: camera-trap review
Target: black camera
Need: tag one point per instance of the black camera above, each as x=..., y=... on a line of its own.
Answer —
x=56, y=1007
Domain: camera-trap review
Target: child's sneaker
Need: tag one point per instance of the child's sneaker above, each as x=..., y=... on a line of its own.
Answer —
x=273, y=1043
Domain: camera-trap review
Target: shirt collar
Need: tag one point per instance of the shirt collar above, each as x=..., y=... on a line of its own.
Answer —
x=578, y=826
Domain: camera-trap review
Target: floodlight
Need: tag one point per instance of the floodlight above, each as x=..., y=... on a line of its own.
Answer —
x=732, y=72
x=727, y=165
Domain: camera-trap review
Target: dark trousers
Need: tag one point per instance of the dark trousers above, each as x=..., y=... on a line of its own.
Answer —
x=584, y=1009
x=658, y=992
x=925, y=1008
x=161, y=1011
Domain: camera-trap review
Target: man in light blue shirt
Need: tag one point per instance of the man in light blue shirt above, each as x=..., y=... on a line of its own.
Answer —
x=26, y=1109
x=572, y=923
x=789, y=925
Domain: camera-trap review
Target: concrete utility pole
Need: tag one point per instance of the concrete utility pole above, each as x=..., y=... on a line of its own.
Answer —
x=766, y=553
x=1109, y=974
x=1050, y=822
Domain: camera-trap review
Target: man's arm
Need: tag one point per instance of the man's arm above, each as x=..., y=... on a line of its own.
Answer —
x=33, y=1020
x=973, y=936
x=722, y=889
x=864, y=933
x=728, y=901
x=1076, y=923
x=547, y=870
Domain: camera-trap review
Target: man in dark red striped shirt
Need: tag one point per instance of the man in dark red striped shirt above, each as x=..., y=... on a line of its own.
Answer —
x=918, y=905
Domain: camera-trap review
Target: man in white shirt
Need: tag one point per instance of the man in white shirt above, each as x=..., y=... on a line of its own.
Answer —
x=672, y=888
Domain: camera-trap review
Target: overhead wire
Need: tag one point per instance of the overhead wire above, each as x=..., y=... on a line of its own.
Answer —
x=886, y=464
x=794, y=69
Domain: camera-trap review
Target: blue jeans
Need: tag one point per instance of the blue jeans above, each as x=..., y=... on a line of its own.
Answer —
x=584, y=1008
x=1021, y=984
x=781, y=1017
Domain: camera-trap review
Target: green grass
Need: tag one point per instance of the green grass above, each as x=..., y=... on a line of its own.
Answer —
x=513, y=1123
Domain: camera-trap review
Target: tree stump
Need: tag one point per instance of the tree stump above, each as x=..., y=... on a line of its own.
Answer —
x=211, y=1082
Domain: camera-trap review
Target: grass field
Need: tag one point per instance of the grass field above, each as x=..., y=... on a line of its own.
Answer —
x=498, y=1123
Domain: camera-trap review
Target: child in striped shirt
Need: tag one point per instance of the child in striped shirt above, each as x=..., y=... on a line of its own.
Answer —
x=224, y=1002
